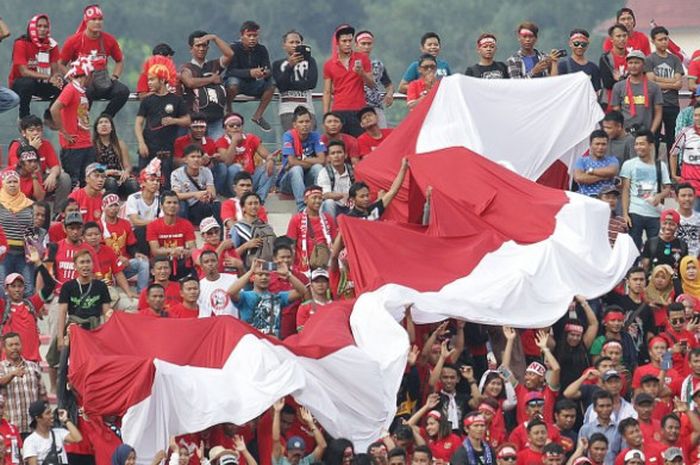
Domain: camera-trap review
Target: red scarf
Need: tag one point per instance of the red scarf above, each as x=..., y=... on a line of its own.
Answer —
x=630, y=96
x=45, y=44
x=296, y=139
x=90, y=12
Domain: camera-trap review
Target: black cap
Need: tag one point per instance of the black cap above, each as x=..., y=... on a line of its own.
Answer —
x=73, y=218
x=649, y=378
x=163, y=50
x=36, y=408
x=643, y=398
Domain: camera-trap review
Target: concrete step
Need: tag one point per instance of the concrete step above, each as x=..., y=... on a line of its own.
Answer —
x=280, y=208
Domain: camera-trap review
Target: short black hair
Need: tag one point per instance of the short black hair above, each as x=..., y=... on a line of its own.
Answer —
x=188, y=278
x=197, y=116
x=364, y=110
x=247, y=195
x=615, y=116
x=290, y=32
x=343, y=30
x=553, y=448
x=564, y=404
x=335, y=143
x=160, y=259
x=669, y=417
x=426, y=56
x=10, y=335
x=154, y=286
x=675, y=307
x=300, y=111
x=611, y=29
x=282, y=243
x=90, y=225
x=240, y=176
x=658, y=30
x=645, y=133
x=249, y=25
x=429, y=35
x=624, y=10
x=579, y=31
x=195, y=35
x=333, y=113
x=166, y=194
x=537, y=421
x=356, y=186
x=425, y=450
x=602, y=359
x=598, y=437
x=192, y=148
x=30, y=121
x=397, y=452
x=633, y=270
x=626, y=424
x=598, y=395
x=598, y=134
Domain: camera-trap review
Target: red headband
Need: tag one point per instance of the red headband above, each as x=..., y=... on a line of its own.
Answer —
x=435, y=414
x=474, y=419
x=364, y=36
x=613, y=316
x=487, y=407
x=486, y=40
x=579, y=36
x=524, y=32
x=312, y=192
x=573, y=328
x=656, y=339
x=612, y=343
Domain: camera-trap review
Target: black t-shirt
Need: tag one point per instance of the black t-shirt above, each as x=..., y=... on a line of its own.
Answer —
x=495, y=70
x=637, y=329
x=154, y=108
x=84, y=300
x=461, y=457
x=374, y=211
x=660, y=252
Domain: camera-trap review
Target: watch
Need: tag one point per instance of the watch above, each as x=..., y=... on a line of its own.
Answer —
x=589, y=171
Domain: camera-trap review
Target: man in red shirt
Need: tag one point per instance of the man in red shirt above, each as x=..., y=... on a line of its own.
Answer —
x=229, y=260
x=671, y=436
x=189, y=293
x=29, y=174
x=89, y=198
x=231, y=211
x=172, y=236
x=632, y=435
x=637, y=40
x=345, y=75
x=11, y=438
x=333, y=127
x=534, y=406
x=162, y=271
x=90, y=41
x=533, y=453
x=20, y=315
x=155, y=300
x=679, y=339
x=373, y=135
x=613, y=63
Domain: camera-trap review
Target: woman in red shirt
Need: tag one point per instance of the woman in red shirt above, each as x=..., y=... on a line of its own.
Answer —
x=437, y=431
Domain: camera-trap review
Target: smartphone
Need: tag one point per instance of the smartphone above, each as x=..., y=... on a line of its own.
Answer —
x=269, y=266
x=667, y=361
x=304, y=50
x=561, y=53
x=358, y=63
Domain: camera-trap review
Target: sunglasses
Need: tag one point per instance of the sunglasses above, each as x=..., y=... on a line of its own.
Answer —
x=428, y=66
x=580, y=44
x=675, y=321
x=536, y=403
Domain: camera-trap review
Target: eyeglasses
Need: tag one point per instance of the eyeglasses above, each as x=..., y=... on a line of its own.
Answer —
x=428, y=66
x=675, y=321
x=536, y=403
x=580, y=44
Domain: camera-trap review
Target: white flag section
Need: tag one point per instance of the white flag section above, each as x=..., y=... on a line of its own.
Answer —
x=528, y=123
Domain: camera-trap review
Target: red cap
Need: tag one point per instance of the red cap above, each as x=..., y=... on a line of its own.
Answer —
x=670, y=214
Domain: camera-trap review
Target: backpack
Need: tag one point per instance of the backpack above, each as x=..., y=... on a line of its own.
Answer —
x=209, y=99
x=331, y=174
x=264, y=231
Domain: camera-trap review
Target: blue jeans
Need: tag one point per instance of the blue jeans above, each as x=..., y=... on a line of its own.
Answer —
x=8, y=99
x=296, y=179
x=640, y=224
x=220, y=173
x=14, y=262
x=261, y=181
x=140, y=268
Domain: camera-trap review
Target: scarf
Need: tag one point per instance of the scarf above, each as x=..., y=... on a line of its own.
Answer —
x=652, y=293
x=14, y=203
x=90, y=12
x=296, y=140
x=121, y=454
x=45, y=44
x=471, y=454
x=630, y=95
x=690, y=287
x=304, y=230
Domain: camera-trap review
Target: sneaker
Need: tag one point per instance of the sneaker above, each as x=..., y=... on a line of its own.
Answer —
x=262, y=122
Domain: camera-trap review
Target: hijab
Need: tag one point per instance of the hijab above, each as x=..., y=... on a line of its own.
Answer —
x=14, y=203
x=690, y=287
x=656, y=295
x=43, y=44
x=121, y=454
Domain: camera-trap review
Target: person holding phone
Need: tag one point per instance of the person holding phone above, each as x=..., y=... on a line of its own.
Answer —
x=528, y=62
x=661, y=366
x=578, y=43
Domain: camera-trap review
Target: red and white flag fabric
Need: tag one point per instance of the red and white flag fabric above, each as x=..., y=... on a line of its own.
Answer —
x=174, y=376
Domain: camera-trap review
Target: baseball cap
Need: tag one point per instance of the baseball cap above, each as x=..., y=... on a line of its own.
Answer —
x=92, y=167
x=610, y=374
x=164, y=50
x=36, y=408
x=27, y=153
x=649, y=379
x=609, y=190
x=670, y=214
x=533, y=395
x=506, y=450
x=109, y=199
x=643, y=398
x=12, y=277
x=296, y=443
x=319, y=273
x=634, y=454
x=218, y=452
x=208, y=223
x=671, y=453
x=638, y=54
x=73, y=218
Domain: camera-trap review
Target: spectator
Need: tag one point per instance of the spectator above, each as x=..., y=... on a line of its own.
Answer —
x=113, y=153
x=572, y=348
x=453, y=404
x=534, y=406
x=665, y=248
x=419, y=88
x=564, y=422
x=686, y=117
x=422, y=455
x=312, y=232
x=639, y=100
x=118, y=235
x=359, y=195
x=89, y=198
x=155, y=302
x=55, y=180
x=383, y=93
x=210, y=156
x=11, y=438
x=506, y=454
x=345, y=74
x=231, y=209
x=229, y=260
x=335, y=180
x=204, y=91
x=20, y=315
x=189, y=293
x=241, y=152
x=172, y=236
x=319, y=297
x=45, y=439
x=528, y=62
x=283, y=254
x=303, y=156
x=666, y=70
x=692, y=382
x=71, y=116
x=16, y=216
x=578, y=43
x=533, y=453
x=688, y=271
x=214, y=299
x=142, y=207
x=474, y=450
x=657, y=351
x=249, y=72
x=295, y=77
x=592, y=451
x=27, y=168
x=684, y=153
x=645, y=184
x=598, y=170
x=620, y=142
x=142, y=90
x=689, y=227
x=162, y=271
x=487, y=67
x=8, y=99
x=613, y=63
x=621, y=409
x=676, y=455
x=373, y=135
x=333, y=130
x=637, y=448
x=91, y=43
x=194, y=186
x=493, y=413
x=35, y=69
x=644, y=405
x=295, y=445
x=637, y=40
x=159, y=116
x=251, y=236
x=430, y=44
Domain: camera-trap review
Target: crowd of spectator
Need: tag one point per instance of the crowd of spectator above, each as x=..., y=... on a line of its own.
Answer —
x=184, y=233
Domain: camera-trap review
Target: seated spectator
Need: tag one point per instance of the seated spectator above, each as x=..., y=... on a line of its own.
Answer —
x=155, y=302
x=335, y=180
x=159, y=117
x=319, y=296
x=528, y=62
x=645, y=185
x=203, y=81
x=162, y=271
x=430, y=44
x=295, y=78
x=685, y=153
x=474, y=445
x=360, y=197
x=690, y=278
x=578, y=43
x=598, y=170
x=194, y=186
x=249, y=72
x=231, y=209
x=214, y=298
x=419, y=88
x=91, y=42
x=689, y=228
x=24, y=313
x=172, y=236
x=333, y=127
x=312, y=231
x=637, y=40
x=89, y=198
x=229, y=260
x=345, y=75
x=382, y=94
x=142, y=90
x=210, y=156
x=55, y=180
x=35, y=69
x=240, y=151
x=16, y=217
x=487, y=67
x=639, y=100
x=259, y=307
x=189, y=293
x=113, y=153
x=252, y=237
x=29, y=172
x=616, y=223
x=142, y=207
x=620, y=142
x=8, y=99
x=303, y=156
x=373, y=135
x=665, y=248
x=613, y=63
x=45, y=437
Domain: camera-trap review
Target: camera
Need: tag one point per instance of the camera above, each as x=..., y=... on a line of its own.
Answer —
x=269, y=266
x=304, y=50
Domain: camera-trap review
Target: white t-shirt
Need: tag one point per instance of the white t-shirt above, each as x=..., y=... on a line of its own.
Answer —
x=38, y=446
x=214, y=298
x=689, y=231
x=136, y=206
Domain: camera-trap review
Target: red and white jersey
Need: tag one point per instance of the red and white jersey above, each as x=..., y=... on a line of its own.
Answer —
x=687, y=146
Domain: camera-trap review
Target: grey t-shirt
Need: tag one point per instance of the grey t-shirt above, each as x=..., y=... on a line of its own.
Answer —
x=622, y=148
x=181, y=183
x=645, y=114
x=665, y=67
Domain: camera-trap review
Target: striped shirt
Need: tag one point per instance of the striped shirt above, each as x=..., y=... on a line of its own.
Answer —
x=616, y=225
x=16, y=224
x=20, y=392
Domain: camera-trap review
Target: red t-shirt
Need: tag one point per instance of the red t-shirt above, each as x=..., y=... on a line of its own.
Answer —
x=245, y=150
x=90, y=206
x=121, y=235
x=180, y=311
x=652, y=453
x=79, y=45
x=228, y=253
x=22, y=322
x=46, y=152
x=305, y=311
x=10, y=434
x=636, y=41
x=107, y=265
x=56, y=231
x=348, y=86
x=26, y=185
x=172, y=297
x=694, y=66
x=64, y=267
x=529, y=457
x=294, y=233
x=170, y=235
x=75, y=116
x=673, y=379
x=550, y=397
x=444, y=448
x=368, y=143
x=351, y=148
x=231, y=210
x=25, y=53
x=207, y=144
x=650, y=431
x=519, y=436
x=415, y=89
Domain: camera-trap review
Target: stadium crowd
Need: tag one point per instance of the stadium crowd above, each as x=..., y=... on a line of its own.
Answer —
x=184, y=233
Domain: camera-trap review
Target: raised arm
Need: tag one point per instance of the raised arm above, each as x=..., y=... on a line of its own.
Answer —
x=276, y=430
x=445, y=354
x=396, y=185
x=430, y=403
x=307, y=418
x=592, y=330
x=541, y=340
